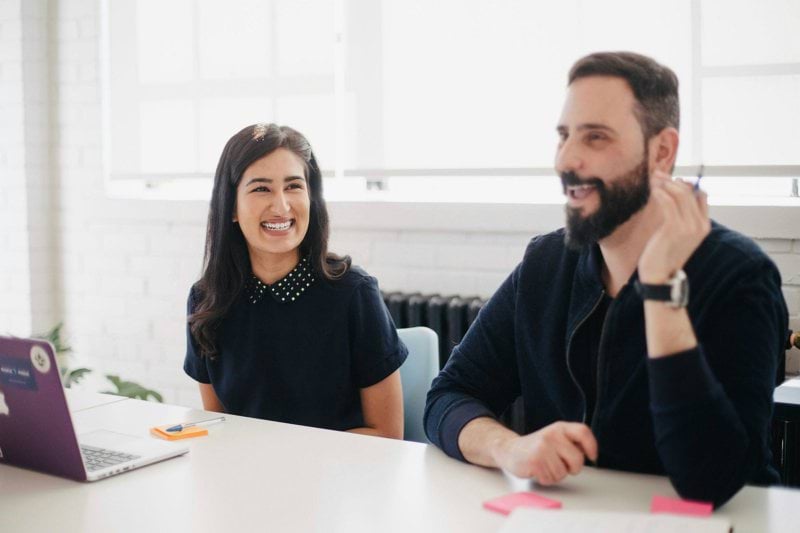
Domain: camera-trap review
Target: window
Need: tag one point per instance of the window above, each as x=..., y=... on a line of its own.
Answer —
x=394, y=93
x=184, y=75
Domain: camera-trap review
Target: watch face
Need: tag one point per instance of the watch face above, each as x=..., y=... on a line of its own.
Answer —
x=679, y=295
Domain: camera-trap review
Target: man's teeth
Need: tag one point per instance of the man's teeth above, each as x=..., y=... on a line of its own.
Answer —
x=579, y=191
x=278, y=226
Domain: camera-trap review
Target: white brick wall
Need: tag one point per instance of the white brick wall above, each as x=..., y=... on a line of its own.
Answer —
x=15, y=305
x=121, y=269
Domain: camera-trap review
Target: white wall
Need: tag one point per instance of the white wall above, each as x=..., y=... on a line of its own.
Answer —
x=14, y=267
x=118, y=271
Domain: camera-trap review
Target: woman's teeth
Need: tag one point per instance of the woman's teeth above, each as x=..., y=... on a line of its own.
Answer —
x=277, y=226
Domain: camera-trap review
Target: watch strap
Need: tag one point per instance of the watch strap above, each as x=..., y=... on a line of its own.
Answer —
x=675, y=293
x=660, y=293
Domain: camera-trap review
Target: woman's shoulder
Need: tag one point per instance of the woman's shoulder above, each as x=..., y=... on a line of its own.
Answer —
x=195, y=295
x=352, y=279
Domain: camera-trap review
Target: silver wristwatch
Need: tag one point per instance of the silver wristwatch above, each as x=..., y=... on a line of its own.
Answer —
x=675, y=293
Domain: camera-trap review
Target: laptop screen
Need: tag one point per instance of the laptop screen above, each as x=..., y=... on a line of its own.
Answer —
x=36, y=429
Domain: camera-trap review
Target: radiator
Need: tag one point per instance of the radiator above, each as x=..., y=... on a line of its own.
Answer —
x=448, y=316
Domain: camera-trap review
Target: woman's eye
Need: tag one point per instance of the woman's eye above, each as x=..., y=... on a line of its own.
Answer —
x=295, y=186
x=260, y=189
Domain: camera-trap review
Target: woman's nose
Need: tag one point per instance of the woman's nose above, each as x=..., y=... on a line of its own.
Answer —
x=280, y=203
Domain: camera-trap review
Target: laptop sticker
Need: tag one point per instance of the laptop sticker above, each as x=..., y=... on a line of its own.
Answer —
x=3, y=405
x=40, y=359
x=17, y=373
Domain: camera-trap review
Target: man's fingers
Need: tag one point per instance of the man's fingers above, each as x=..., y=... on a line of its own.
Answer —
x=572, y=456
x=667, y=204
x=702, y=202
x=581, y=435
x=543, y=473
x=550, y=470
x=556, y=466
x=684, y=199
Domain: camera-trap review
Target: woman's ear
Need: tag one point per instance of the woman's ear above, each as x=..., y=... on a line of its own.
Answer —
x=664, y=149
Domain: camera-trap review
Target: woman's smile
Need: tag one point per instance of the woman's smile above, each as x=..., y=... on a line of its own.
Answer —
x=277, y=227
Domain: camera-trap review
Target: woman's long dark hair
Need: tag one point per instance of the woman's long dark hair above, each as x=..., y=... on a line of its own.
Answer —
x=226, y=264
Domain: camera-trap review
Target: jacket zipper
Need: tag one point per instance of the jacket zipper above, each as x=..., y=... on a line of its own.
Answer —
x=599, y=364
x=569, y=346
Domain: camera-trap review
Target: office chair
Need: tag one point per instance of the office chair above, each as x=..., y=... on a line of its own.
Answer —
x=419, y=369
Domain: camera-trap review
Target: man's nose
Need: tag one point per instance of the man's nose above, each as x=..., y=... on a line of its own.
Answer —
x=568, y=158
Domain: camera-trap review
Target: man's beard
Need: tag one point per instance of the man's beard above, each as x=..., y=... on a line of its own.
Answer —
x=618, y=203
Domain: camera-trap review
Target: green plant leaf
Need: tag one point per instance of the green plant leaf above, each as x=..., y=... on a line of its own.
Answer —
x=130, y=389
x=62, y=354
x=72, y=377
x=54, y=336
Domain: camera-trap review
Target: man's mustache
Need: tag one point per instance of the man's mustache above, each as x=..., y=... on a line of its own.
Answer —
x=570, y=178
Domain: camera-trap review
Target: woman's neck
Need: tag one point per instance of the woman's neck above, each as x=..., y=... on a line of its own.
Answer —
x=270, y=268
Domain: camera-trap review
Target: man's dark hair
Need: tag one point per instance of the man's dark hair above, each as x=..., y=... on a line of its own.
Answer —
x=654, y=86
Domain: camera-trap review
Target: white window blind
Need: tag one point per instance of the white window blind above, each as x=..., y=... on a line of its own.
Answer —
x=462, y=90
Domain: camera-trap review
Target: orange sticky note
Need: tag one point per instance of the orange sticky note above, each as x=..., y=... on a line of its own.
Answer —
x=509, y=502
x=194, y=431
x=662, y=504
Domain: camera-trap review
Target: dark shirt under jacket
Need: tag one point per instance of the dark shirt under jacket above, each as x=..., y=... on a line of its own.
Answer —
x=701, y=417
x=300, y=351
x=587, y=340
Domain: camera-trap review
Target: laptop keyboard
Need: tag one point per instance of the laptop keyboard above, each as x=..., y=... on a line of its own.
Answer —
x=97, y=458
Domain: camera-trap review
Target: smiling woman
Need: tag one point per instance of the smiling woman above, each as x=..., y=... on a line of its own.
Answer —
x=278, y=327
x=272, y=210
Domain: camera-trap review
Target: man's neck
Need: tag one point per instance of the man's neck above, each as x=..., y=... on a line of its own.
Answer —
x=621, y=250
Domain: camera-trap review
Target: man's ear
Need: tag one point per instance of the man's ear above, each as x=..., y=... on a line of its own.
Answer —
x=664, y=149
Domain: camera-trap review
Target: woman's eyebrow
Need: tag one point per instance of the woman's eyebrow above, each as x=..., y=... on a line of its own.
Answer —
x=270, y=180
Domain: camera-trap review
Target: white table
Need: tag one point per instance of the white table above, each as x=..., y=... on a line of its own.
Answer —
x=250, y=475
x=82, y=400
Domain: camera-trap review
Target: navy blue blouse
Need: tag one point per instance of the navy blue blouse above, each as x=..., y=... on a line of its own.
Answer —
x=300, y=350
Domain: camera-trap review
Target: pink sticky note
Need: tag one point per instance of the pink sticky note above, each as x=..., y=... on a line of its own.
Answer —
x=506, y=504
x=662, y=504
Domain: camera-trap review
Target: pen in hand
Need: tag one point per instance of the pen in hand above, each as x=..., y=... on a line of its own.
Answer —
x=181, y=427
x=699, y=177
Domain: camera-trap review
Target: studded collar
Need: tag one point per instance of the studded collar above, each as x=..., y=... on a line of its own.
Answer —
x=286, y=290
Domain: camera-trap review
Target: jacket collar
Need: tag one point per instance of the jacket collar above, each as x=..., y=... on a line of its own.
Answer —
x=587, y=287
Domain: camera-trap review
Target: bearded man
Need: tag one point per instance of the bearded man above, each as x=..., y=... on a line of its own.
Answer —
x=615, y=361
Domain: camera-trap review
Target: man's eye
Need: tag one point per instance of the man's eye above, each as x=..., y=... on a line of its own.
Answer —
x=596, y=136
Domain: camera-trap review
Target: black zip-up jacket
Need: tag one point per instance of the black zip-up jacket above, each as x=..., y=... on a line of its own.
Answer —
x=701, y=417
